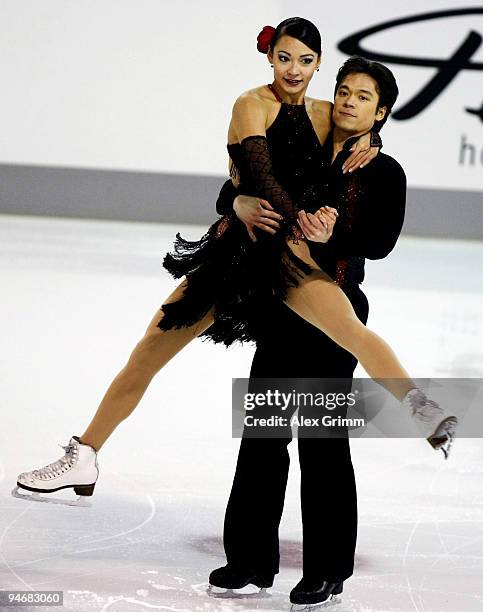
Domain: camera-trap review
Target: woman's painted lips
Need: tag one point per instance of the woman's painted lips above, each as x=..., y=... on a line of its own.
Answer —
x=293, y=81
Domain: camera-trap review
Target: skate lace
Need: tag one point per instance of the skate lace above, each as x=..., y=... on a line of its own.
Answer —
x=422, y=408
x=61, y=465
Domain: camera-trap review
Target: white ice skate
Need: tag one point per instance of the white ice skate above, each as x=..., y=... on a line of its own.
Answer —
x=77, y=469
x=439, y=429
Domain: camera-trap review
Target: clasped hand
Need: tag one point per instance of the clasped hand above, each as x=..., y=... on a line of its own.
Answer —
x=318, y=227
x=256, y=212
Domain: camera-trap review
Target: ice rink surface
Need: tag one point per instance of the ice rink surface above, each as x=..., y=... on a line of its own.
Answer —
x=76, y=297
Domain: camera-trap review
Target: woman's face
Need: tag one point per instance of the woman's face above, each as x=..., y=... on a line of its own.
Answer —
x=293, y=64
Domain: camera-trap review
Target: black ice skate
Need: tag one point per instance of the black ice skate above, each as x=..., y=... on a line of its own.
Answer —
x=77, y=469
x=230, y=582
x=309, y=595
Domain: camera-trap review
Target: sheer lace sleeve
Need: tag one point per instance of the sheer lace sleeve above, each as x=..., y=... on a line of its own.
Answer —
x=376, y=140
x=257, y=167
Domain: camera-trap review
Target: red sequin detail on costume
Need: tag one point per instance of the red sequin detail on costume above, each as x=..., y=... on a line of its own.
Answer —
x=296, y=234
x=351, y=196
x=340, y=269
x=223, y=226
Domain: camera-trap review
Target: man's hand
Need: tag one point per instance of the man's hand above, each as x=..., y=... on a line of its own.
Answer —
x=318, y=227
x=255, y=212
x=362, y=154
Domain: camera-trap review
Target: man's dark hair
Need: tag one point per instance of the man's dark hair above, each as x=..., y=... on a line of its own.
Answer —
x=386, y=85
x=301, y=29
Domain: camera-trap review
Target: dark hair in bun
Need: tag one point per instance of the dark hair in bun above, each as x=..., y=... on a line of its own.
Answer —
x=301, y=29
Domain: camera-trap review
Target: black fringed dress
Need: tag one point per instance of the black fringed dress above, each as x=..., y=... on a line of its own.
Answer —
x=225, y=269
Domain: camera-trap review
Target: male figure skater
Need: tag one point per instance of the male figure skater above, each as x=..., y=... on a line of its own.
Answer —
x=371, y=205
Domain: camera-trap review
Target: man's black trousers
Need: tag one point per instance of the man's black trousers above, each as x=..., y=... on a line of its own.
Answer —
x=293, y=348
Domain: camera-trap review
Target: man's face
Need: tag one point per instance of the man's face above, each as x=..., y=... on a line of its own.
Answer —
x=355, y=104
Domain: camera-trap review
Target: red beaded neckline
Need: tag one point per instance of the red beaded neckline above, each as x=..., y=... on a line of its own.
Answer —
x=279, y=99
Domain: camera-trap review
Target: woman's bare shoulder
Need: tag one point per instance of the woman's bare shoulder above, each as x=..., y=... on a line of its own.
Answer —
x=251, y=114
x=257, y=96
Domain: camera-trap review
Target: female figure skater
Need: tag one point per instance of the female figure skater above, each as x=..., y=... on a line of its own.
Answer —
x=274, y=145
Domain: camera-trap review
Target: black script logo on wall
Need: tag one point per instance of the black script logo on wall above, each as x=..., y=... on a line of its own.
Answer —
x=446, y=69
x=476, y=111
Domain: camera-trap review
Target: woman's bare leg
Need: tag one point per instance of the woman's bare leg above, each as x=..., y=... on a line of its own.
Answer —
x=150, y=354
x=321, y=302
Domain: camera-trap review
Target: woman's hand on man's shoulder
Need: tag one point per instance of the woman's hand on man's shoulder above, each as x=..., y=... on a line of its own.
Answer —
x=320, y=106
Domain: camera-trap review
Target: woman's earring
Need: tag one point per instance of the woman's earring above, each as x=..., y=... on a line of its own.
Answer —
x=318, y=69
x=271, y=65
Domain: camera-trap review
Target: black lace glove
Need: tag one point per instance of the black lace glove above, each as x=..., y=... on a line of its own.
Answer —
x=258, y=171
x=226, y=198
x=376, y=140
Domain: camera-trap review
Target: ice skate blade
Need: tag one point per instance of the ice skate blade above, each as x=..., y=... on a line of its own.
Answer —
x=246, y=592
x=443, y=437
x=323, y=605
x=35, y=496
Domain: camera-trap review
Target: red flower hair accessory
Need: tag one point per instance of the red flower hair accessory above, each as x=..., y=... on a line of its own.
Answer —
x=265, y=38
